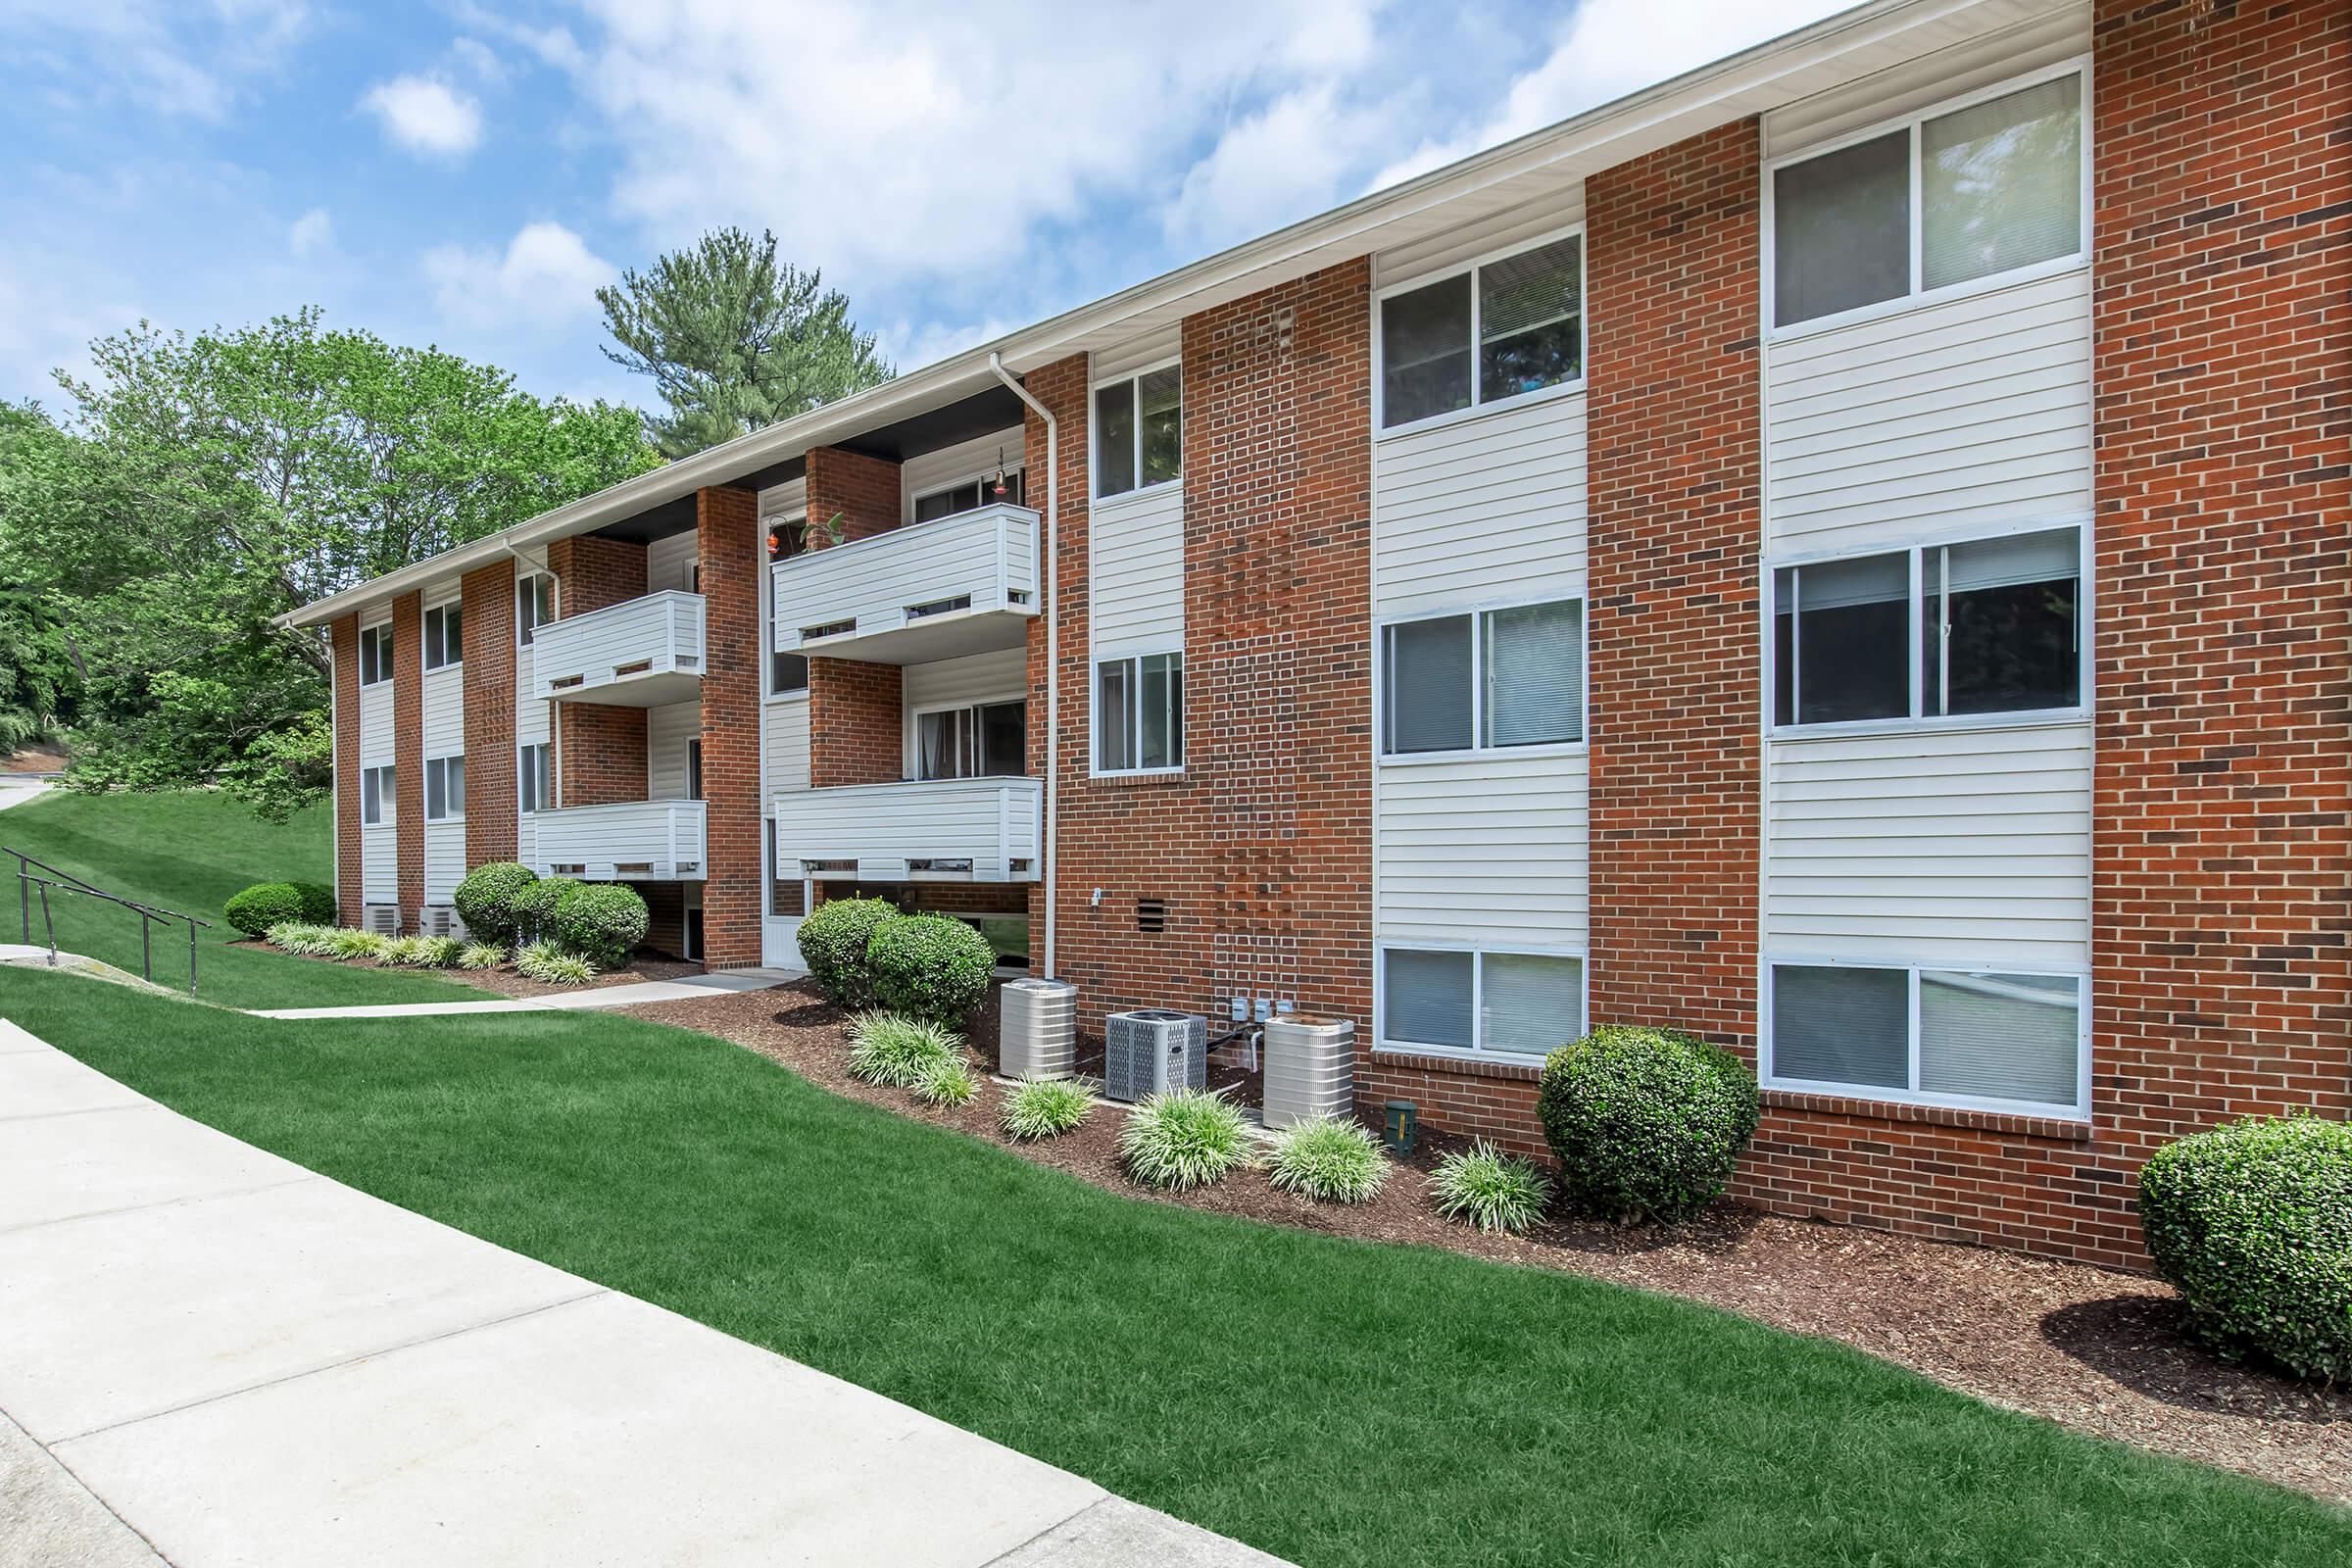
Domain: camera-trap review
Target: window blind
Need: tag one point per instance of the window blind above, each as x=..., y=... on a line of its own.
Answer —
x=1426, y=997
x=1999, y=1036
x=1532, y=289
x=1530, y=1003
x=1842, y=229
x=1842, y=1025
x=1535, y=672
x=2001, y=183
x=1429, y=691
x=2022, y=559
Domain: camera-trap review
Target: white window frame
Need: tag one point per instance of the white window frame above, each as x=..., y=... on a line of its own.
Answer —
x=433, y=631
x=912, y=762
x=440, y=764
x=1480, y=408
x=1478, y=682
x=1134, y=654
x=1917, y=295
x=1918, y=721
x=524, y=635
x=776, y=522
x=1769, y=1078
x=1479, y=952
x=522, y=770
x=387, y=796
x=375, y=641
x=1133, y=380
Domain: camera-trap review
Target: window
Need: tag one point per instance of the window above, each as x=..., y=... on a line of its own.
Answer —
x=444, y=640
x=1138, y=431
x=534, y=604
x=1998, y=184
x=986, y=741
x=1969, y=1036
x=1139, y=714
x=380, y=799
x=1493, y=678
x=787, y=672
x=1507, y=326
x=375, y=654
x=1996, y=625
x=1516, y=1004
x=694, y=768
x=535, y=778
x=969, y=496
x=443, y=788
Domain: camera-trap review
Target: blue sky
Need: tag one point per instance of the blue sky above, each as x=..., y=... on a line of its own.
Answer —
x=467, y=173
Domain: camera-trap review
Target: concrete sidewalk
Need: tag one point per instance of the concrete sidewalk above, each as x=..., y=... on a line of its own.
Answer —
x=210, y=1355
x=629, y=996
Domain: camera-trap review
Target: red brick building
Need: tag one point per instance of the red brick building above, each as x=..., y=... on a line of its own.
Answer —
x=1843, y=552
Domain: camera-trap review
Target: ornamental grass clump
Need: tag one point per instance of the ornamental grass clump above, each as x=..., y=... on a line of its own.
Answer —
x=1044, y=1107
x=301, y=938
x=481, y=955
x=549, y=965
x=351, y=943
x=948, y=1082
x=435, y=952
x=401, y=951
x=895, y=1051
x=1329, y=1160
x=1184, y=1139
x=1647, y=1124
x=2252, y=1223
x=1490, y=1188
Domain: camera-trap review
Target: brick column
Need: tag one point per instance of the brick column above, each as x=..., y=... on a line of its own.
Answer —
x=487, y=606
x=864, y=490
x=2223, y=773
x=344, y=636
x=732, y=553
x=600, y=747
x=854, y=713
x=408, y=752
x=1675, y=533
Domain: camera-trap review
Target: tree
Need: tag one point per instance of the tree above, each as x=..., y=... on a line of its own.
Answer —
x=734, y=340
x=203, y=486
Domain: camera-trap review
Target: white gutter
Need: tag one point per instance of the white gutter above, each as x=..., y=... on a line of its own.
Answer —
x=1053, y=608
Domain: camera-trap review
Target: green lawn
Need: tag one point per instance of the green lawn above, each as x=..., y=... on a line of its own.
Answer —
x=1334, y=1402
x=189, y=851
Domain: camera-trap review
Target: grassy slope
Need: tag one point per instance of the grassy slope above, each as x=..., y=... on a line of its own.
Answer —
x=189, y=851
x=1335, y=1403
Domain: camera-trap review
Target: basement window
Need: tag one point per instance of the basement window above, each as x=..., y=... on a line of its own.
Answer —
x=1970, y=1038
x=1481, y=1003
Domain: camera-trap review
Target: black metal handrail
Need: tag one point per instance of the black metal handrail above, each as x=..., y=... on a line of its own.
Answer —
x=67, y=882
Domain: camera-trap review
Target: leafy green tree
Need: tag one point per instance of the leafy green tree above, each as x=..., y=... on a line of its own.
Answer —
x=734, y=340
x=204, y=485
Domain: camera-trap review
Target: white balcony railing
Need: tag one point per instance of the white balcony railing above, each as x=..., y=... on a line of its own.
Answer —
x=630, y=840
x=955, y=829
x=963, y=584
x=640, y=653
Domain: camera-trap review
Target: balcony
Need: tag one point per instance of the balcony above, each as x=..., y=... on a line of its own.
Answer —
x=965, y=584
x=640, y=653
x=630, y=840
x=932, y=830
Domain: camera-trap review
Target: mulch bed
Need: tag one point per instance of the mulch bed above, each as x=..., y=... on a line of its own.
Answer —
x=2093, y=1350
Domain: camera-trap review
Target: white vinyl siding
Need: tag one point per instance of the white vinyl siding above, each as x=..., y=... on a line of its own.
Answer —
x=1969, y=846
x=1975, y=411
x=379, y=842
x=1156, y=347
x=444, y=861
x=670, y=563
x=668, y=731
x=1529, y=208
x=1491, y=850
x=966, y=460
x=786, y=729
x=1136, y=556
x=1477, y=508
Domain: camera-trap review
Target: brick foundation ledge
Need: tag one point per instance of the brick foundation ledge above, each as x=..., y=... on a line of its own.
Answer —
x=2052, y=1128
x=1461, y=1066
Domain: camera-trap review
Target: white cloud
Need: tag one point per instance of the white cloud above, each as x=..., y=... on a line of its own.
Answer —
x=426, y=115
x=911, y=345
x=312, y=233
x=1608, y=49
x=171, y=58
x=1271, y=169
x=547, y=276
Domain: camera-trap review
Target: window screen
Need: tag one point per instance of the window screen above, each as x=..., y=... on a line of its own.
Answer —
x=1425, y=351
x=1531, y=319
x=1114, y=439
x=1842, y=229
x=1426, y=999
x=444, y=637
x=1842, y=1025
x=1159, y=400
x=1534, y=674
x=1160, y=711
x=1115, y=715
x=2001, y=183
x=2008, y=614
x=787, y=672
x=1428, y=680
x=1843, y=631
x=535, y=785
x=1999, y=1036
x=1530, y=1003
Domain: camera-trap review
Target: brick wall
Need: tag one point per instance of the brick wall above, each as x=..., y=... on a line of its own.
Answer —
x=864, y=490
x=732, y=551
x=408, y=752
x=1261, y=850
x=857, y=731
x=486, y=599
x=344, y=639
x=600, y=748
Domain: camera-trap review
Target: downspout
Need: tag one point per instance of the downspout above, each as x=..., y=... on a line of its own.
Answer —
x=1052, y=594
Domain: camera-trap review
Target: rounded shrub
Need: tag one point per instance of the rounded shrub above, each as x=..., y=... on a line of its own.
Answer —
x=1183, y=1139
x=930, y=966
x=1647, y=1124
x=833, y=939
x=535, y=909
x=601, y=921
x=317, y=901
x=485, y=899
x=1329, y=1160
x=263, y=904
x=2252, y=1223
